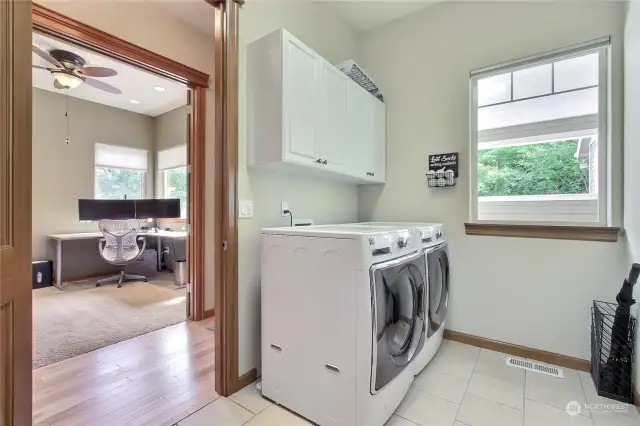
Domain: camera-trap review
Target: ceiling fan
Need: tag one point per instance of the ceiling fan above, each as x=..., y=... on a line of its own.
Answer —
x=70, y=72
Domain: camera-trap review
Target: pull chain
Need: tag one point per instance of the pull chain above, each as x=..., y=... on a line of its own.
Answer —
x=66, y=116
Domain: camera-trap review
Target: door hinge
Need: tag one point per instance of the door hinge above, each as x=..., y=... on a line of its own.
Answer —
x=224, y=245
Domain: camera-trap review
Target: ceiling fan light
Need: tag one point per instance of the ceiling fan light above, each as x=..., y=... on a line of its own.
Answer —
x=67, y=80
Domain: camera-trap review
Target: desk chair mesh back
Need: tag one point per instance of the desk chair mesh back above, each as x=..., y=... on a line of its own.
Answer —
x=120, y=247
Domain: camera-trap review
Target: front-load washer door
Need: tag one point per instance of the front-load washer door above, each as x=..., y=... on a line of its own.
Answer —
x=438, y=281
x=398, y=304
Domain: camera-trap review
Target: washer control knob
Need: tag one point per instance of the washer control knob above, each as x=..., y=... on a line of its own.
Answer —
x=402, y=242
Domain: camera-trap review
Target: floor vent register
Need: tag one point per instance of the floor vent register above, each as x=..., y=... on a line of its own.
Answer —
x=535, y=366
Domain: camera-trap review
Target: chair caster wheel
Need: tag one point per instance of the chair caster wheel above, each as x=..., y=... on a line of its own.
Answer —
x=119, y=285
x=98, y=284
x=145, y=280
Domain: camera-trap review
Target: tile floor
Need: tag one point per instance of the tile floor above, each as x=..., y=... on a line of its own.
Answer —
x=462, y=386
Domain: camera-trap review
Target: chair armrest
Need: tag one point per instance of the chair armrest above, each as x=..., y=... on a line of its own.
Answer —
x=101, y=243
x=144, y=246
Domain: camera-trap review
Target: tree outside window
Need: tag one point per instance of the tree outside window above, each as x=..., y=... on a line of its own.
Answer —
x=176, y=187
x=117, y=184
x=536, y=169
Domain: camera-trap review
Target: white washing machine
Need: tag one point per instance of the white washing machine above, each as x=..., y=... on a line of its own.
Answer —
x=343, y=318
x=434, y=247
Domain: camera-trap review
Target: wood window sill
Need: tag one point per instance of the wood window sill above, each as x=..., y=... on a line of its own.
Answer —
x=578, y=233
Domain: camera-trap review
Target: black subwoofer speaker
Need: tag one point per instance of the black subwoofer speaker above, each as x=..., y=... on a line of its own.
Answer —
x=41, y=273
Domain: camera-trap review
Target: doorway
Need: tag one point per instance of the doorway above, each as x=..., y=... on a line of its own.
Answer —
x=107, y=136
x=15, y=186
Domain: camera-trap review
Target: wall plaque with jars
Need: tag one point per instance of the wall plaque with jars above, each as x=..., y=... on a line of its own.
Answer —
x=443, y=170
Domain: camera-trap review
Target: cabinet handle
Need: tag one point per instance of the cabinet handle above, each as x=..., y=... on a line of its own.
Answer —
x=332, y=368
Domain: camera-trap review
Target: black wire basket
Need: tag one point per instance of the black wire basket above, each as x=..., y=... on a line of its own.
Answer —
x=612, y=343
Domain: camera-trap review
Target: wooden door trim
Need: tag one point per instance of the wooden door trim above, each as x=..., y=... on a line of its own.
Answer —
x=57, y=25
x=228, y=379
x=15, y=223
x=62, y=27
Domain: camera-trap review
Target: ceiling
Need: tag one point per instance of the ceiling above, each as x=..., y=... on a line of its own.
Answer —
x=134, y=83
x=365, y=15
x=361, y=15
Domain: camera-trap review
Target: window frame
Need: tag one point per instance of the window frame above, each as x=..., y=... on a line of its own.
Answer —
x=603, y=48
x=164, y=189
x=143, y=180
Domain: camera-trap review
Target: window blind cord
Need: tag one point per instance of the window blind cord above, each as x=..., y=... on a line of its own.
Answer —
x=290, y=216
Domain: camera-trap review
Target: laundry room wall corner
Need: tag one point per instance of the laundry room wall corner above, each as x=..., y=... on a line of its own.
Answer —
x=499, y=286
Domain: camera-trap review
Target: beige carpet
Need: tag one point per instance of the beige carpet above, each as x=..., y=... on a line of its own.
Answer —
x=83, y=317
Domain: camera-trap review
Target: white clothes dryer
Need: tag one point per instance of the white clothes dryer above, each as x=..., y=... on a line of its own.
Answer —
x=343, y=318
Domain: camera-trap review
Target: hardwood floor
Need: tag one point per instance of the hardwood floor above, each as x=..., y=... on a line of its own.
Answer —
x=154, y=379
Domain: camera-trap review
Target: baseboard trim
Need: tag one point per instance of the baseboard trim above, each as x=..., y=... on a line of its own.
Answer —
x=636, y=397
x=519, y=351
x=245, y=380
x=208, y=313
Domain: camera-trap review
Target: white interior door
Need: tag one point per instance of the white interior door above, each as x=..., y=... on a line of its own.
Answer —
x=333, y=138
x=300, y=85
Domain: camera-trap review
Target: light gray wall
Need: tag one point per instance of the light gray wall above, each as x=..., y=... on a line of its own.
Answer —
x=531, y=292
x=171, y=128
x=63, y=173
x=321, y=200
x=632, y=149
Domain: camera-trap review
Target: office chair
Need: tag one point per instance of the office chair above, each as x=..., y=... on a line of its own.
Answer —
x=120, y=247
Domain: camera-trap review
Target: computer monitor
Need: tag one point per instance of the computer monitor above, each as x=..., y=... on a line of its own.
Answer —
x=158, y=208
x=106, y=209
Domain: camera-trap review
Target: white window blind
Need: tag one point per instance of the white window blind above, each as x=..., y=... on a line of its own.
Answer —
x=172, y=157
x=120, y=157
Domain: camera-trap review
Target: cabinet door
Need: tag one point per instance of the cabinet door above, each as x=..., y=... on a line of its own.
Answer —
x=300, y=103
x=333, y=135
x=361, y=122
x=380, y=141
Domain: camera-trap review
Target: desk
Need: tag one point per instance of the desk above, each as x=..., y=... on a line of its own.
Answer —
x=60, y=238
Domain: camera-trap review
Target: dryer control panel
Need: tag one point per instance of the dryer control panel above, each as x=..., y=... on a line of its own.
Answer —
x=393, y=244
x=430, y=234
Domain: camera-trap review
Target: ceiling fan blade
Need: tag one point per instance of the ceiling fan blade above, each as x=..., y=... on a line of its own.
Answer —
x=96, y=72
x=57, y=85
x=102, y=86
x=40, y=68
x=44, y=55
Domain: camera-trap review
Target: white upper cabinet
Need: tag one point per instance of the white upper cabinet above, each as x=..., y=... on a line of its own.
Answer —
x=305, y=115
x=300, y=84
x=334, y=141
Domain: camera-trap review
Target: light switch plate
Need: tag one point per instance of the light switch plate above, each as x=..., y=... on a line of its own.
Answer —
x=246, y=209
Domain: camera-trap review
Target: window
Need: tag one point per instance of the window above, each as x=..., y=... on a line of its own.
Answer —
x=119, y=172
x=539, y=139
x=172, y=175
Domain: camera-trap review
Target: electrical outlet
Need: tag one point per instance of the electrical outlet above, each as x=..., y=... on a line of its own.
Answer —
x=285, y=206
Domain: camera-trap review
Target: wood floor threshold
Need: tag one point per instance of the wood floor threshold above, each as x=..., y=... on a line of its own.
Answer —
x=520, y=351
x=576, y=233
